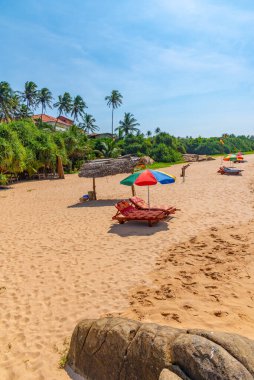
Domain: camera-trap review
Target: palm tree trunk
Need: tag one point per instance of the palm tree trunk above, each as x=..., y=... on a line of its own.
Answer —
x=112, y=122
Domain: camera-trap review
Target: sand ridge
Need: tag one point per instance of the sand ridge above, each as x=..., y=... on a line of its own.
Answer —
x=207, y=281
x=61, y=261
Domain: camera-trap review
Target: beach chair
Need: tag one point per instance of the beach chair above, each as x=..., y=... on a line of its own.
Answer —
x=229, y=171
x=126, y=212
x=140, y=204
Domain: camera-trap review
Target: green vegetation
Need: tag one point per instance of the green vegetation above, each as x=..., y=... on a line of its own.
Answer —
x=214, y=145
x=160, y=165
x=63, y=360
x=28, y=148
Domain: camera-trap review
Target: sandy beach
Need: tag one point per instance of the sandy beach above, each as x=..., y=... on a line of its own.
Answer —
x=61, y=261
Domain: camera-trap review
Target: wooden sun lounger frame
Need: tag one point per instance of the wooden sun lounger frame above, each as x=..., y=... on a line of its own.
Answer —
x=158, y=215
x=169, y=210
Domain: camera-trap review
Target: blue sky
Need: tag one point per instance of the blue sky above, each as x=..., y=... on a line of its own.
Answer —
x=185, y=66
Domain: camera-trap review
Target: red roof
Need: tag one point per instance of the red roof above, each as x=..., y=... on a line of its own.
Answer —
x=66, y=120
x=50, y=119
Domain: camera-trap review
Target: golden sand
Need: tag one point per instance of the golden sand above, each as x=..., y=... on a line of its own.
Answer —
x=61, y=262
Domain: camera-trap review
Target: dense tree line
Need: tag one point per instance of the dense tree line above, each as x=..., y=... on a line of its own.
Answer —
x=28, y=148
x=214, y=145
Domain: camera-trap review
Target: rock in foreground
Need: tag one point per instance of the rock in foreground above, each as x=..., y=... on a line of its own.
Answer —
x=122, y=349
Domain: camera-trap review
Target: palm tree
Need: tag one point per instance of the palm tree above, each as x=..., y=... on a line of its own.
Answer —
x=6, y=94
x=87, y=124
x=128, y=125
x=30, y=94
x=14, y=106
x=63, y=105
x=149, y=133
x=109, y=149
x=24, y=112
x=114, y=100
x=44, y=98
x=157, y=130
x=78, y=107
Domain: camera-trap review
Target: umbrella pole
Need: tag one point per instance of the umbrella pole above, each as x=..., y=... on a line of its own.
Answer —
x=148, y=197
x=94, y=189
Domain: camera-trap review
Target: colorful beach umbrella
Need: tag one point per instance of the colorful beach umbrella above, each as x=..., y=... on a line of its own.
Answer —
x=239, y=156
x=148, y=178
x=230, y=157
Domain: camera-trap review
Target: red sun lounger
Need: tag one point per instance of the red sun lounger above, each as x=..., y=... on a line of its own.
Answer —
x=127, y=212
x=229, y=171
x=140, y=204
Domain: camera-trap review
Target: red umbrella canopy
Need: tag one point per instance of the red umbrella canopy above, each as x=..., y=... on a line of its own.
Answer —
x=146, y=179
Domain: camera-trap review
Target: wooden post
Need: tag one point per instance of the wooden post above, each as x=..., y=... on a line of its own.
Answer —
x=94, y=189
x=60, y=169
x=183, y=171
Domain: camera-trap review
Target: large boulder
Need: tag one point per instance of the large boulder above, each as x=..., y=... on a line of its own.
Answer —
x=122, y=349
x=191, y=157
x=202, y=359
x=236, y=345
x=146, y=160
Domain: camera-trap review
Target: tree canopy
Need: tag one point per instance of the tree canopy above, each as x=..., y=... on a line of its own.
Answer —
x=27, y=148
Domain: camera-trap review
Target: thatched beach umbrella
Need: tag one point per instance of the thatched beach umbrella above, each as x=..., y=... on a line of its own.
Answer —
x=107, y=167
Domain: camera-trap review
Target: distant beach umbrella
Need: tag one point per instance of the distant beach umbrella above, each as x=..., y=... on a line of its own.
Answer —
x=230, y=157
x=239, y=156
x=148, y=178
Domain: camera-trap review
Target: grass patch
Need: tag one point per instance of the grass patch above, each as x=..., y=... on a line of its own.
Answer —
x=63, y=360
x=62, y=352
x=251, y=152
x=158, y=165
x=225, y=154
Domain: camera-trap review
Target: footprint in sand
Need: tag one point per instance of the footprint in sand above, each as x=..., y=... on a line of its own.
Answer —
x=173, y=316
x=245, y=317
x=211, y=287
x=2, y=289
x=237, y=237
x=187, y=307
x=167, y=291
x=216, y=297
x=221, y=314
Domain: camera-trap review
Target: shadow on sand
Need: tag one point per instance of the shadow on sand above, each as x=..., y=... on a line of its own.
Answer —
x=2, y=187
x=99, y=203
x=132, y=228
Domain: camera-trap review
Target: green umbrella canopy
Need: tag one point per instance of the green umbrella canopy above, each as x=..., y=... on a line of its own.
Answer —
x=129, y=181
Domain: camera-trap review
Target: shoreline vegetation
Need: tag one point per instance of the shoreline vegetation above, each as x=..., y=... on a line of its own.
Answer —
x=30, y=148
